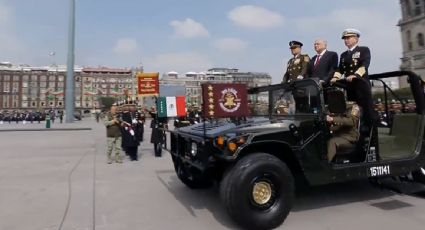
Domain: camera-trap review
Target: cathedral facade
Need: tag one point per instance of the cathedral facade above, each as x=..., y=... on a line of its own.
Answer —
x=412, y=28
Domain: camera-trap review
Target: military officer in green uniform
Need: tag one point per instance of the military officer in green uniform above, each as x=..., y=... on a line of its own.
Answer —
x=297, y=66
x=343, y=127
x=113, y=134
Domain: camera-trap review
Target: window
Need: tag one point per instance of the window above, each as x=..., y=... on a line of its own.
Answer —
x=15, y=78
x=6, y=87
x=33, y=77
x=418, y=10
x=409, y=40
x=43, y=78
x=6, y=78
x=60, y=78
x=25, y=78
x=420, y=38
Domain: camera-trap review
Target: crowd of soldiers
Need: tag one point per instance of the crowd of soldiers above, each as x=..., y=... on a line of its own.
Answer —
x=17, y=116
x=125, y=128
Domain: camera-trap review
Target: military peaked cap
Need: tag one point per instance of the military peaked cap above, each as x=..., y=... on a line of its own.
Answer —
x=294, y=44
x=350, y=33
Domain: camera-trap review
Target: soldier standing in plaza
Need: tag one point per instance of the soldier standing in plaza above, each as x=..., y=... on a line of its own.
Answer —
x=354, y=64
x=297, y=66
x=130, y=141
x=113, y=133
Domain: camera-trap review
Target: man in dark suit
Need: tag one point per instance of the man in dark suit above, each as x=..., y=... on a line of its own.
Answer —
x=323, y=65
x=354, y=65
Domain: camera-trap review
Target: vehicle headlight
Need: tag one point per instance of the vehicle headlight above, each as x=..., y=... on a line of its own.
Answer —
x=194, y=149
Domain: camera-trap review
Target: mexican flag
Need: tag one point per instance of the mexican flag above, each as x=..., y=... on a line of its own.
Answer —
x=171, y=106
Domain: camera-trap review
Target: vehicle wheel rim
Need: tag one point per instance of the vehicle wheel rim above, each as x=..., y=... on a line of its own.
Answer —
x=262, y=192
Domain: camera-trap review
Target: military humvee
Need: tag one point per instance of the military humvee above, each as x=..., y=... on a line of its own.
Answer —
x=259, y=160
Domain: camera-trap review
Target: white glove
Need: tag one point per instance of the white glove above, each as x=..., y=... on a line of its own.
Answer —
x=300, y=77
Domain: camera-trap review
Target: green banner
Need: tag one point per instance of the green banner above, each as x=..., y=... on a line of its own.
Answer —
x=162, y=106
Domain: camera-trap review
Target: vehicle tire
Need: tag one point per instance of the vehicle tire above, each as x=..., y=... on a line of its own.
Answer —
x=419, y=175
x=190, y=179
x=258, y=191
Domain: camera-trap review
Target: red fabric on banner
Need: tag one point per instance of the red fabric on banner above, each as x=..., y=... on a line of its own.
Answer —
x=224, y=100
x=148, y=84
x=181, y=105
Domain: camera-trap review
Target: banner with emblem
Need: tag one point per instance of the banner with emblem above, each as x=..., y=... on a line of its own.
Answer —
x=147, y=84
x=224, y=100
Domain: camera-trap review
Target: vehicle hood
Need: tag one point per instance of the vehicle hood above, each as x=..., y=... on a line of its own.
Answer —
x=253, y=125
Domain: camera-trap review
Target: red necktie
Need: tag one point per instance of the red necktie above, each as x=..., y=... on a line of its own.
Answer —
x=317, y=61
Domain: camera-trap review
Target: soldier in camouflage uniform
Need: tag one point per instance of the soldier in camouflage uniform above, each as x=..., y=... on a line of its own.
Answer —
x=113, y=134
x=297, y=66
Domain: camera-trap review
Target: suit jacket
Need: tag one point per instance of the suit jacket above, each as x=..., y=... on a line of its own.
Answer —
x=325, y=69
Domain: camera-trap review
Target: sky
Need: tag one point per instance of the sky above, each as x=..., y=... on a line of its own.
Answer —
x=194, y=35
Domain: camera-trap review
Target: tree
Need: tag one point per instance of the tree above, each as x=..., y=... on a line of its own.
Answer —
x=106, y=102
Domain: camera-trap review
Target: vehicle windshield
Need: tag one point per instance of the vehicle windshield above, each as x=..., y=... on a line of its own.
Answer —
x=298, y=98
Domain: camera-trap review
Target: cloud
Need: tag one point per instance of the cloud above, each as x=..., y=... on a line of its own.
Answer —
x=189, y=28
x=255, y=17
x=230, y=45
x=385, y=45
x=125, y=46
x=181, y=62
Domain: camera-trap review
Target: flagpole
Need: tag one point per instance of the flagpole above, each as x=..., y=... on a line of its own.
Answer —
x=69, y=92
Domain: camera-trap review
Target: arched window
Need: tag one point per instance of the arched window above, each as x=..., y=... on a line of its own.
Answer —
x=420, y=38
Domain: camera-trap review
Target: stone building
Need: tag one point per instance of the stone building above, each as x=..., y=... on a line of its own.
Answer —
x=192, y=81
x=412, y=27
x=41, y=88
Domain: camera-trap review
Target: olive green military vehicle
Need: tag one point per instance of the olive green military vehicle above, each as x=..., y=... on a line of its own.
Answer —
x=259, y=160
